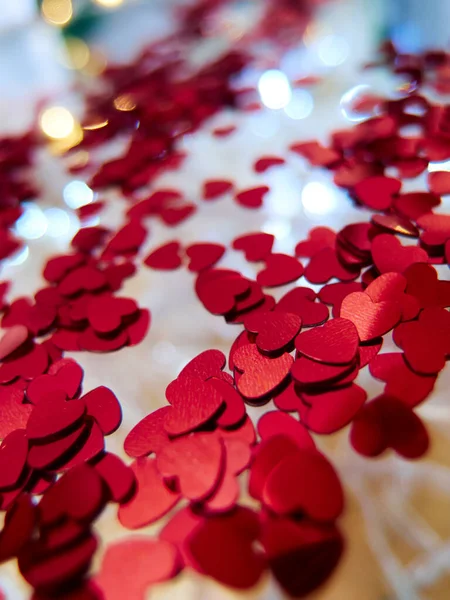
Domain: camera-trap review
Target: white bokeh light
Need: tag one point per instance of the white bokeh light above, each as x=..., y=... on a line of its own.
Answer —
x=77, y=194
x=18, y=258
x=439, y=166
x=300, y=106
x=32, y=224
x=318, y=198
x=58, y=222
x=348, y=100
x=274, y=89
x=333, y=50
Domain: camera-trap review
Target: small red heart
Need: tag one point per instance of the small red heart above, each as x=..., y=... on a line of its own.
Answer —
x=65, y=375
x=311, y=374
x=275, y=423
x=279, y=270
x=377, y=192
x=396, y=224
x=152, y=499
x=145, y=560
x=371, y=319
x=234, y=405
x=275, y=330
x=328, y=412
x=289, y=543
x=175, y=215
x=260, y=375
x=215, y=188
x=301, y=301
x=194, y=402
x=54, y=417
x=105, y=312
x=218, y=289
x=204, y=256
x=388, y=423
x=437, y=229
x=389, y=254
x=205, y=365
x=252, y=198
x=315, y=490
x=335, y=343
x=401, y=381
x=103, y=406
x=166, y=257
x=266, y=162
x=325, y=264
x=334, y=293
x=256, y=246
x=149, y=435
x=196, y=462
x=415, y=204
x=318, y=239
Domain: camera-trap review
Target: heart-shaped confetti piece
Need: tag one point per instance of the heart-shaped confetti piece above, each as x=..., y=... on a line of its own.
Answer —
x=335, y=343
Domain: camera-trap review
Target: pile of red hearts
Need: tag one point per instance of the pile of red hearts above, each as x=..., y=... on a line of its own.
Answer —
x=55, y=475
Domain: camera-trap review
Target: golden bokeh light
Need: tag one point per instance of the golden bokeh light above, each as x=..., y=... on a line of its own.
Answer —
x=109, y=3
x=78, y=53
x=57, y=122
x=57, y=12
x=94, y=124
x=124, y=103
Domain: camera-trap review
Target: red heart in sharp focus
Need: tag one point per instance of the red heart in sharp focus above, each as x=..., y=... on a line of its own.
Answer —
x=204, y=256
x=401, y=381
x=377, y=192
x=325, y=264
x=65, y=375
x=275, y=331
x=145, y=560
x=288, y=544
x=234, y=405
x=166, y=257
x=280, y=269
x=205, y=365
x=328, y=412
x=264, y=163
x=304, y=481
x=301, y=301
x=252, y=198
x=152, y=499
x=371, y=319
x=389, y=254
x=388, y=423
x=318, y=239
x=215, y=188
x=256, y=246
x=288, y=399
x=194, y=402
x=335, y=343
x=13, y=458
x=149, y=435
x=261, y=375
x=196, y=462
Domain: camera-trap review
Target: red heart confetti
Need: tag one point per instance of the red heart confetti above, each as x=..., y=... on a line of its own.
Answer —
x=261, y=375
x=266, y=162
x=252, y=198
x=166, y=257
x=256, y=246
x=204, y=256
x=335, y=343
x=280, y=269
x=371, y=319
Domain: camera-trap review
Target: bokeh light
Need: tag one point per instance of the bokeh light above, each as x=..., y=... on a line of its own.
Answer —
x=300, y=106
x=318, y=198
x=333, y=50
x=58, y=222
x=77, y=194
x=109, y=3
x=32, y=225
x=124, y=103
x=274, y=89
x=57, y=12
x=57, y=122
x=78, y=53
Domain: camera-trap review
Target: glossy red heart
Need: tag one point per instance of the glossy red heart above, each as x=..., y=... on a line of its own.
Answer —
x=370, y=319
x=325, y=264
x=279, y=270
x=204, y=256
x=275, y=330
x=260, y=375
x=103, y=406
x=377, y=192
x=166, y=257
x=389, y=254
x=301, y=301
x=335, y=343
